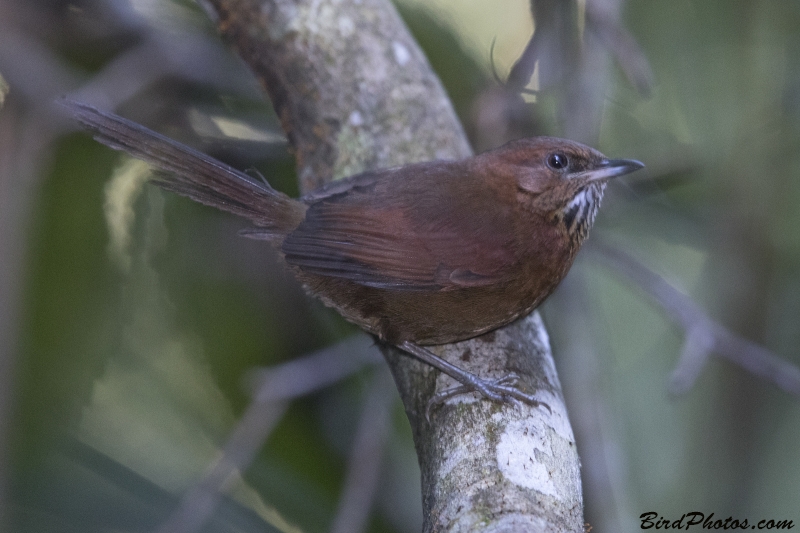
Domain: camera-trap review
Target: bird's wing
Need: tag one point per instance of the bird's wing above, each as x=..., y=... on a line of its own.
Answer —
x=404, y=232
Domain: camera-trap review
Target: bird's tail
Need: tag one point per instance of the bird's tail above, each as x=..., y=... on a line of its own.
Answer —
x=190, y=173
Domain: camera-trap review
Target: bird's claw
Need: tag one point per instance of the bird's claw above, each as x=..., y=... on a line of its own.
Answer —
x=499, y=390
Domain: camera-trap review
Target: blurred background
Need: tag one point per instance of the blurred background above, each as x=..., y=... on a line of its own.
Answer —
x=132, y=321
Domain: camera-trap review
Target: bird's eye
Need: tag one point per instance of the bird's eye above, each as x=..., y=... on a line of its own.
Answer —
x=557, y=161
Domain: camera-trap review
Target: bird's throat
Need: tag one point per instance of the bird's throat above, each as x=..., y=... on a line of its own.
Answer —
x=578, y=215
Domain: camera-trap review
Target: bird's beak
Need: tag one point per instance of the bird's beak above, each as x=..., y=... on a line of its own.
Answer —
x=611, y=168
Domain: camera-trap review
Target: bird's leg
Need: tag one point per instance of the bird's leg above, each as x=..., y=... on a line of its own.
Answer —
x=498, y=390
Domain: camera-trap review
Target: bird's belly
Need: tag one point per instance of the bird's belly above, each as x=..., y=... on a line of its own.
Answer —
x=429, y=317
x=451, y=316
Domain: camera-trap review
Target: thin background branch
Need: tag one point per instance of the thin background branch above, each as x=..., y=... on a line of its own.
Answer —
x=7, y=325
x=366, y=457
x=199, y=503
x=704, y=336
x=276, y=387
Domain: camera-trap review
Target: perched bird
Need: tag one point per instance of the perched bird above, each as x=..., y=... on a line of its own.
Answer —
x=422, y=254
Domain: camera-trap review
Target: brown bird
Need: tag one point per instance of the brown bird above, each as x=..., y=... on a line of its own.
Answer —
x=423, y=254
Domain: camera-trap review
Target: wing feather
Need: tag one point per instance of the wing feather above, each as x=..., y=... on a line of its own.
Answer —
x=371, y=234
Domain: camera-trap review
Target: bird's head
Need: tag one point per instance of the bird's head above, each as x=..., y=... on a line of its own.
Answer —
x=560, y=179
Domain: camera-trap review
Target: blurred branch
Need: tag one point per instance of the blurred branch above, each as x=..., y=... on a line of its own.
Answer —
x=24, y=139
x=27, y=129
x=501, y=114
x=604, y=471
x=572, y=68
x=366, y=454
x=704, y=336
x=277, y=386
x=232, y=515
x=36, y=72
x=156, y=56
x=6, y=356
x=554, y=45
x=522, y=70
x=308, y=374
x=3, y=90
x=603, y=18
x=198, y=505
x=555, y=42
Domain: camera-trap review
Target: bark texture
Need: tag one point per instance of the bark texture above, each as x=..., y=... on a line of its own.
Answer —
x=354, y=92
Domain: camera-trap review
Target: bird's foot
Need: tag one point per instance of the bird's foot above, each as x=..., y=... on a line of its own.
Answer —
x=501, y=390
